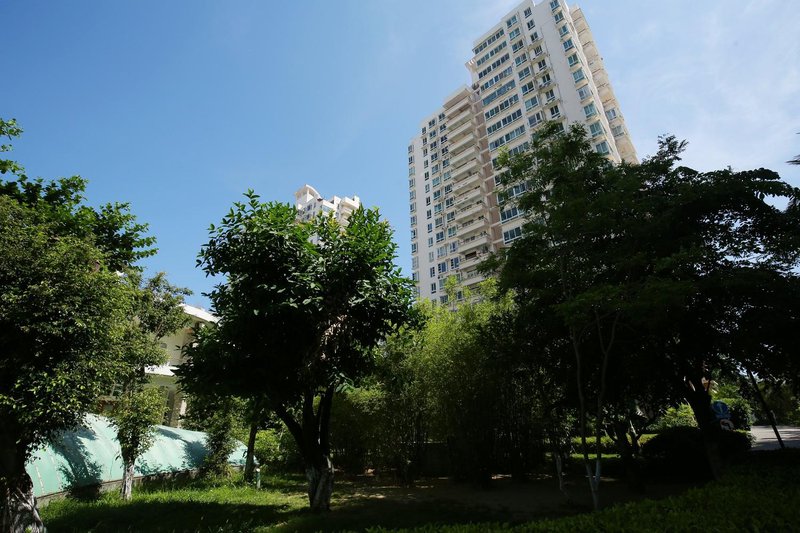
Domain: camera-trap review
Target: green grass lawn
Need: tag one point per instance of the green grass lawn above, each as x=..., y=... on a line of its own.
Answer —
x=762, y=495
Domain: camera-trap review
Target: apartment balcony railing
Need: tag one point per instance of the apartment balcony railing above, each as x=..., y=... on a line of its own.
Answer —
x=466, y=142
x=463, y=157
x=465, y=170
x=469, y=211
x=479, y=241
x=469, y=196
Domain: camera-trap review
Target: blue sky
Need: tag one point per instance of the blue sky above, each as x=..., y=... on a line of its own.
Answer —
x=179, y=107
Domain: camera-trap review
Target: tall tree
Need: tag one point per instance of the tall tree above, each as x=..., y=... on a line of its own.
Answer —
x=154, y=312
x=645, y=272
x=300, y=310
x=62, y=316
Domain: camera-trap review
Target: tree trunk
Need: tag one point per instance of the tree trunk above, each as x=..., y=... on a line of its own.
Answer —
x=250, y=462
x=19, y=511
x=700, y=401
x=626, y=452
x=767, y=410
x=126, y=491
x=320, y=484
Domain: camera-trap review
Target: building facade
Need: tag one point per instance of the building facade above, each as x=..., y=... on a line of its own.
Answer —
x=310, y=203
x=539, y=63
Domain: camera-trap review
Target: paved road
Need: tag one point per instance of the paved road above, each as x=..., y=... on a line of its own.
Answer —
x=766, y=440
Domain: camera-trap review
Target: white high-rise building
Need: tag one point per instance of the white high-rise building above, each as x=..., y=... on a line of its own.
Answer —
x=539, y=63
x=310, y=203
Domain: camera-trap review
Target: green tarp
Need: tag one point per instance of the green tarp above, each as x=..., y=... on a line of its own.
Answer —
x=90, y=455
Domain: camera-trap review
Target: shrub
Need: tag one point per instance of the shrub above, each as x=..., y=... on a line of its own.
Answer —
x=276, y=450
x=741, y=412
x=680, y=451
x=674, y=417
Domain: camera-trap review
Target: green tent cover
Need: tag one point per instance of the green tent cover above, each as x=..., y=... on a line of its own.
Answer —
x=90, y=455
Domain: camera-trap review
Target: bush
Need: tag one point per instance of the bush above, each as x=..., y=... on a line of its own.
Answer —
x=741, y=412
x=761, y=496
x=276, y=450
x=680, y=451
x=675, y=417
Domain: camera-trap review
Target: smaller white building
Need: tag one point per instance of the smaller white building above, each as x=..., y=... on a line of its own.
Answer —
x=163, y=376
x=310, y=203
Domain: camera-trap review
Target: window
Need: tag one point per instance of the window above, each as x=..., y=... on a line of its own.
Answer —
x=448, y=202
x=436, y=181
x=559, y=16
x=430, y=228
x=451, y=232
x=534, y=36
x=596, y=129
x=425, y=164
x=510, y=22
x=573, y=60
x=414, y=220
x=512, y=234
x=454, y=263
x=611, y=114
x=413, y=234
x=430, y=257
x=584, y=92
x=589, y=110
x=433, y=288
x=497, y=93
x=528, y=87
x=413, y=206
x=432, y=271
x=437, y=194
x=410, y=171
x=602, y=148
x=545, y=80
x=509, y=214
x=430, y=243
x=524, y=73
x=535, y=119
x=494, y=145
x=568, y=45
x=428, y=200
x=503, y=123
x=528, y=12
x=542, y=64
x=502, y=106
x=442, y=267
x=427, y=175
x=531, y=24
x=530, y=103
x=448, y=189
x=439, y=236
x=428, y=214
x=553, y=4
x=555, y=112
x=578, y=75
x=550, y=95
x=437, y=208
x=513, y=34
x=520, y=59
x=517, y=46
x=451, y=216
x=537, y=51
x=412, y=195
x=618, y=130
x=413, y=247
x=415, y=276
x=563, y=30
x=453, y=246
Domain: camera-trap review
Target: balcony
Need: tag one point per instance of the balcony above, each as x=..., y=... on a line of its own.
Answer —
x=470, y=260
x=458, y=119
x=457, y=101
x=475, y=225
x=471, y=278
x=460, y=130
x=463, y=185
x=463, y=157
x=470, y=211
x=468, y=196
x=466, y=142
x=464, y=170
x=478, y=242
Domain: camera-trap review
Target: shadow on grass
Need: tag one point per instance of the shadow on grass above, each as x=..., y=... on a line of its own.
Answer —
x=168, y=516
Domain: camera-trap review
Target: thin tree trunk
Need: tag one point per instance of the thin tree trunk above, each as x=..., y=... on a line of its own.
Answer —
x=126, y=491
x=767, y=410
x=250, y=462
x=700, y=402
x=19, y=511
x=320, y=485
